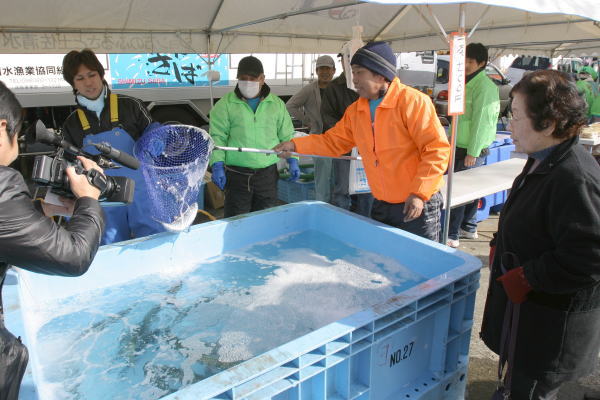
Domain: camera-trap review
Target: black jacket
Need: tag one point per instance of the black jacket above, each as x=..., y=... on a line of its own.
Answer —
x=551, y=223
x=32, y=241
x=336, y=98
x=133, y=118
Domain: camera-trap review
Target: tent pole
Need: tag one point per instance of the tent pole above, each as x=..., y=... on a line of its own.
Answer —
x=435, y=18
x=393, y=21
x=214, y=17
x=209, y=75
x=478, y=21
x=461, y=29
x=290, y=14
x=442, y=35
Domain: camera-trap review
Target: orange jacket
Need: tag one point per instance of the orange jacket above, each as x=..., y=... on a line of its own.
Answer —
x=405, y=151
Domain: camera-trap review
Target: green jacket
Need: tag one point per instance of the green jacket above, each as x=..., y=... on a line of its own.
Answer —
x=477, y=126
x=234, y=124
x=595, y=107
x=590, y=92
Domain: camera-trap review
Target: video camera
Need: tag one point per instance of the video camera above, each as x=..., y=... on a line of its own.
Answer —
x=49, y=170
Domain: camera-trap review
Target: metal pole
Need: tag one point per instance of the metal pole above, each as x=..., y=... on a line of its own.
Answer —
x=461, y=29
x=293, y=153
x=288, y=14
x=450, y=177
x=209, y=75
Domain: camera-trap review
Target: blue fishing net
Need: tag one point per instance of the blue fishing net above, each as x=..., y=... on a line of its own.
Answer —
x=173, y=161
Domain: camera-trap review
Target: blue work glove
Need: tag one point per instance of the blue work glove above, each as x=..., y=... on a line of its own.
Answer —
x=151, y=127
x=218, y=174
x=294, y=169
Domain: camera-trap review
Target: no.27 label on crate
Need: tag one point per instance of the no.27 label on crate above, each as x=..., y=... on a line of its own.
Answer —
x=390, y=354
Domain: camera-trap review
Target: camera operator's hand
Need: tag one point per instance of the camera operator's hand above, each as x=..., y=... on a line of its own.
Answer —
x=79, y=183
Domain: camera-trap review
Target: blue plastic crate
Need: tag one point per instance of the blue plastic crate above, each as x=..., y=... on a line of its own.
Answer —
x=488, y=203
x=413, y=345
x=498, y=207
x=499, y=151
x=292, y=192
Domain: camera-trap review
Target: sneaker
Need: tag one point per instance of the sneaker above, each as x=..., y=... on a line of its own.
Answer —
x=467, y=235
x=454, y=243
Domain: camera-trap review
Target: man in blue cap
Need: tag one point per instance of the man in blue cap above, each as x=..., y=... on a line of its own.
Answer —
x=404, y=147
x=336, y=99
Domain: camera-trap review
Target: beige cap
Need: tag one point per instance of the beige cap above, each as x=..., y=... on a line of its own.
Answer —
x=325, y=61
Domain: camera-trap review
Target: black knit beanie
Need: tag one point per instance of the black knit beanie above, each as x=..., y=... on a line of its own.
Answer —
x=250, y=66
x=377, y=57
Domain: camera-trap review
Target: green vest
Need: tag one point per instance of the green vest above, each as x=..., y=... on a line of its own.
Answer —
x=234, y=124
x=477, y=126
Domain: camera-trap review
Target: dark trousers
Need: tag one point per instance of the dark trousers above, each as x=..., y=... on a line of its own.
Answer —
x=250, y=189
x=525, y=388
x=464, y=216
x=426, y=225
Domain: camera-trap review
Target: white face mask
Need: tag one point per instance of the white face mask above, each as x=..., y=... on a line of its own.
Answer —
x=249, y=89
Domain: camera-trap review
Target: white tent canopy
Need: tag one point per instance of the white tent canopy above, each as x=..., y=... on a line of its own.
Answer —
x=299, y=26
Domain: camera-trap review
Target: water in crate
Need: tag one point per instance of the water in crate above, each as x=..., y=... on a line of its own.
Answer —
x=159, y=333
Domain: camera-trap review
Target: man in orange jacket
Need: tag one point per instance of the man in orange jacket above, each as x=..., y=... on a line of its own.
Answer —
x=404, y=148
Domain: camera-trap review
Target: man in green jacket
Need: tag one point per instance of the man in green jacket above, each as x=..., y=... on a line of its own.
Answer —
x=476, y=131
x=588, y=89
x=250, y=116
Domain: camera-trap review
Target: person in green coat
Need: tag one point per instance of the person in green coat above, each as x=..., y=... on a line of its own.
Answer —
x=587, y=87
x=476, y=131
x=250, y=116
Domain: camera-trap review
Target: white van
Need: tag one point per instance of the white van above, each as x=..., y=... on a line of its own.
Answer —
x=569, y=65
x=524, y=64
x=417, y=69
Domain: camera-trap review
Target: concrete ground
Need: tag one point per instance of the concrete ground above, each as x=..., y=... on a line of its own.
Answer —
x=483, y=364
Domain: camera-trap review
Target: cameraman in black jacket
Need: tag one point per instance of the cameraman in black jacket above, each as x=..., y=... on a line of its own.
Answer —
x=31, y=240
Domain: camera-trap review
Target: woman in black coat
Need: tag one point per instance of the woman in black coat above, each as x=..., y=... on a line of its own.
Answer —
x=545, y=257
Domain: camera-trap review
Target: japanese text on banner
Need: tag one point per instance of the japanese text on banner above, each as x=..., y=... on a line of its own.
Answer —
x=456, y=97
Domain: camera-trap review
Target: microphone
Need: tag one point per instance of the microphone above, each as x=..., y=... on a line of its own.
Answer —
x=45, y=136
x=121, y=157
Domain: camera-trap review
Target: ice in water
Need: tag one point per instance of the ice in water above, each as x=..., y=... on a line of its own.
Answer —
x=154, y=335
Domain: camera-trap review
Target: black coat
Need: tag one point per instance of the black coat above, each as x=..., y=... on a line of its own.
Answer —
x=336, y=98
x=551, y=222
x=133, y=118
x=32, y=241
